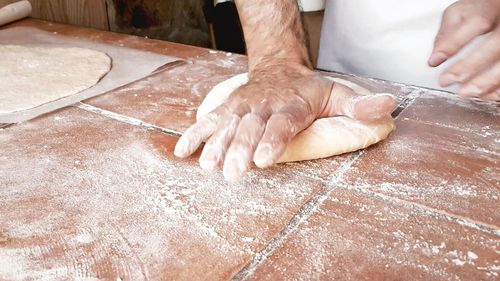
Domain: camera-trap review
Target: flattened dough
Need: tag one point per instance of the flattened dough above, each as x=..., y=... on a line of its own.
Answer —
x=32, y=76
x=325, y=137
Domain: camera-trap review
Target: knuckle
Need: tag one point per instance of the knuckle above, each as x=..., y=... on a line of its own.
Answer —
x=452, y=12
x=254, y=118
x=482, y=23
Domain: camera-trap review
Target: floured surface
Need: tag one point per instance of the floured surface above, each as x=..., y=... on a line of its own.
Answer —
x=444, y=155
x=128, y=65
x=170, y=98
x=354, y=236
x=328, y=136
x=32, y=76
x=112, y=202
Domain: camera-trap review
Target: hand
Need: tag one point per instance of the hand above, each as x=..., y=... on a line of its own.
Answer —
x=479, y=73
x=258, y=121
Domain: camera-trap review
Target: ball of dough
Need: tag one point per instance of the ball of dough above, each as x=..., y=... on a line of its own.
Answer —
x=325, y=137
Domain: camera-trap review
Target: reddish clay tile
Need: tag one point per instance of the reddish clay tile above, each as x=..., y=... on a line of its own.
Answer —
x=444, y=155
x=170, y=98
x=123, y=40
x=354, y=237
x=323, y=169
x=84, y=195
x=449, y=111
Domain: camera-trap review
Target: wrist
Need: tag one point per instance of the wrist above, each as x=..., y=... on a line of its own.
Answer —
x=276, y=66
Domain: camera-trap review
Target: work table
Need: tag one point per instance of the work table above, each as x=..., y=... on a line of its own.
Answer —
x=93, y=190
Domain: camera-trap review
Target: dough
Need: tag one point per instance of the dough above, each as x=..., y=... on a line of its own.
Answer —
x=32, y=76
x=325, y=137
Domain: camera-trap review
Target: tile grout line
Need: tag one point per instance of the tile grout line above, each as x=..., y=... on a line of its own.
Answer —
x=313, y=204
x=420, y=207
x=405, y=103
x=301, y=216
x=126, y=119
x=464, y=221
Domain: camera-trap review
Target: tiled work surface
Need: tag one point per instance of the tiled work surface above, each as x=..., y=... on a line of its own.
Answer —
x=93, y=191
x=90, y=194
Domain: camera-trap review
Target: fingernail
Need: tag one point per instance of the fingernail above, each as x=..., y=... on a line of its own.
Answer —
x=208, y=165
x=447, y=79
x=437, y=58
x=233, y=169
x=262, y=157
x=470, y=90
x=181, y=148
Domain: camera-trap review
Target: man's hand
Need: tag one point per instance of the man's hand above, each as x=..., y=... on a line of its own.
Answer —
x=479, y=73
x=283, y=96
x=261, y=117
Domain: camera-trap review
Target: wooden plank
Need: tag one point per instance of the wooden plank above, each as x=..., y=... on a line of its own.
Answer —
x=171, y=20
x=88, y=13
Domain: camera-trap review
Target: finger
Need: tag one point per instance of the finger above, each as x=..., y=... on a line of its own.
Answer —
x=477, y=61
x=196, y=134
x=455, y=32
x=344, y=101
x=216, y=147
x=484, y=83
x=240, y=153
x=373, y=107
x=280, y=130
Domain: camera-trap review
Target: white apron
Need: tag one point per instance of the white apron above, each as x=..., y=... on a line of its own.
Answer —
x=386, y=39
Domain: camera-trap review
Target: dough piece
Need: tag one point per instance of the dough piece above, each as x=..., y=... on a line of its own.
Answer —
x=325, y=137
x=32, y=76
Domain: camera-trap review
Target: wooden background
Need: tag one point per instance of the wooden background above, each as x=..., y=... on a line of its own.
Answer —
x=179, y=21
x=172, y=20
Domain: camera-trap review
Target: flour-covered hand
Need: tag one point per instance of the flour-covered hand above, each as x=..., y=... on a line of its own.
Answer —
x=283, y=96
x=258, y=121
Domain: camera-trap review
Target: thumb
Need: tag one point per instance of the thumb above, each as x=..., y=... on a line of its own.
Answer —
x=458, y=28
x=345, y=101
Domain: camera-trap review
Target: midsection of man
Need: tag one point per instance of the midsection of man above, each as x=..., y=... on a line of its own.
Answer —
x=387, y=39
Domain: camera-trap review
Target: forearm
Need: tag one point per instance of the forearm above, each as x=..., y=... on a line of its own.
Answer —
x=273, y=33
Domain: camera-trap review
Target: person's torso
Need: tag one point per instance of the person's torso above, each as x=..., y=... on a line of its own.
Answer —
x=387, y=39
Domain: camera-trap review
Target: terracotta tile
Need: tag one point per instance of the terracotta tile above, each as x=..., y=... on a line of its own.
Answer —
x=444, y=155
x=449, y=111
x=323, y=169
x=355, y=237
x=84, y=195
x=170, y=98
x=123, y=40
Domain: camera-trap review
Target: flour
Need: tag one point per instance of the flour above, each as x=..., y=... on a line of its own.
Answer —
x=32, y=76
x=123, y=206
x=399, y=243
